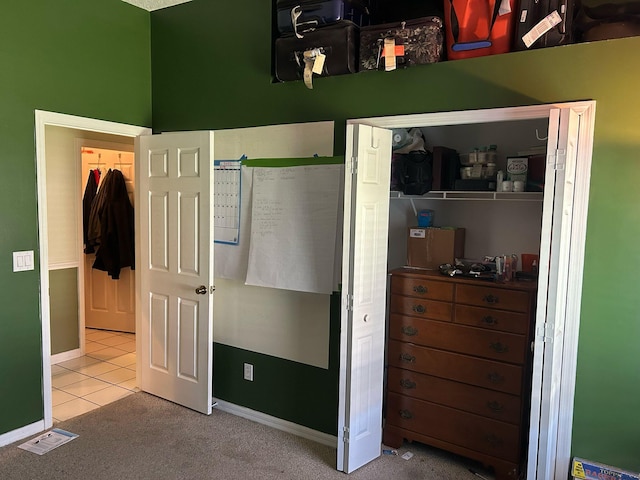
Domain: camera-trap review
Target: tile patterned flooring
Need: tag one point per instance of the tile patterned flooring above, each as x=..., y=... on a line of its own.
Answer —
x=106, y=373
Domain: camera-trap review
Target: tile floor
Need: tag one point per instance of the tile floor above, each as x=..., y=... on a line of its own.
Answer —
x=106, y=373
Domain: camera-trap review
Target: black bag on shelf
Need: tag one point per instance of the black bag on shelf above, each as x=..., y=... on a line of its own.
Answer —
x=337, y=43
x=301, y=16
x=415, y=42
x=412, y=172
x=532, y=12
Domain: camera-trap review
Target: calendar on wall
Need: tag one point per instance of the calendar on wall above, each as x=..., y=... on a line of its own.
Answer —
x=226, y=201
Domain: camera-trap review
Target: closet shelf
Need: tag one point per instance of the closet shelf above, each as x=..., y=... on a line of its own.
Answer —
x=471, y=195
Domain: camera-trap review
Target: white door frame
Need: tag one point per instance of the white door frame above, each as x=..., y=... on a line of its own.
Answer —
x=42, y=119
x=559, y=425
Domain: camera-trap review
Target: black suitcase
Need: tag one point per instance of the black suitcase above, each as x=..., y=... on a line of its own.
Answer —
x=301, y=16
x=337, y=42
x=420, y=41
x=535, y=16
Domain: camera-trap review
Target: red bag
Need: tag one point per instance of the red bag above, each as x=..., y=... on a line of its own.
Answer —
x=475, y=28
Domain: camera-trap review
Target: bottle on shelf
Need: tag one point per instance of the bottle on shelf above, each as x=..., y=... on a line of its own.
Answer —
x=492, y=154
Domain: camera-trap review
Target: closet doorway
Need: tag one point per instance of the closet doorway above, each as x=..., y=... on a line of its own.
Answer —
x=108, y=304
x=61, y=183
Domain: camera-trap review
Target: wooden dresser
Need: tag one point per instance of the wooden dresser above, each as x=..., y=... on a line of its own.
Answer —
x=459, y=376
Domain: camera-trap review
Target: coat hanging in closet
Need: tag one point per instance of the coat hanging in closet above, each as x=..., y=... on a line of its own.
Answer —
x=111, y=226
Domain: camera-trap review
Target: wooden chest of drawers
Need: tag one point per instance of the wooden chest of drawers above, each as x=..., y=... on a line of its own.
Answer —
x=458, y=374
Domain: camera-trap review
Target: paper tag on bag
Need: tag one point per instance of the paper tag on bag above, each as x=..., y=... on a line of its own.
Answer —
x=318, y=63
x=542, y=27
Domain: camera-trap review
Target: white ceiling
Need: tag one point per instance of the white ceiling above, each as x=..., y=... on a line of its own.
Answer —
x=151, y=5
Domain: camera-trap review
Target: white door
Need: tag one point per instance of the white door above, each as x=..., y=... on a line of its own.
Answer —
x=556, y=271
x=174, y=263
x=109, y=304
x=366, y=227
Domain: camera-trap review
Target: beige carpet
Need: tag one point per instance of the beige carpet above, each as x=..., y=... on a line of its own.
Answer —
x=144, y=437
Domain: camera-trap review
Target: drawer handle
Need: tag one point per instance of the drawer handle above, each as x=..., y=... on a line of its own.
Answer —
x=493, y=440
x=408, y=384
x=409, y=330
x=405, y=357
x=419, y=308
x=420, y=289
x=489, y=320
x=495, y=406
x=495, y=377
x=499, y=348
x=406, y=414
x=490, y=299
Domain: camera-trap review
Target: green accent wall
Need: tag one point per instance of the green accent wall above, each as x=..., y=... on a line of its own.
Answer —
x=90, y=59
x=212, y=69
x=63, y=310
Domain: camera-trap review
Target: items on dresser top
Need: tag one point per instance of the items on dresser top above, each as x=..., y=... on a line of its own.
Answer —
x=458, y=374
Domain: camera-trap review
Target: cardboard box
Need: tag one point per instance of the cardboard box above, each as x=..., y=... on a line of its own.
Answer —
x=588, y=470
x=430, y=247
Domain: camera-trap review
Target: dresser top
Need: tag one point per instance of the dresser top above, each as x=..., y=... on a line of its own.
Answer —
x=436, y=275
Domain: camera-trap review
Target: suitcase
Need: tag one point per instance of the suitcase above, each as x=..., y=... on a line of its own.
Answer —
x=607, y=21
x=337, y=44
x=536, y=27
x=478, y=27
x=446, y=168
x=302, y=16
x=414, y=42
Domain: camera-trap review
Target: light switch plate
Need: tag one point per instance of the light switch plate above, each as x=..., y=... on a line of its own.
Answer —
x=23, y=261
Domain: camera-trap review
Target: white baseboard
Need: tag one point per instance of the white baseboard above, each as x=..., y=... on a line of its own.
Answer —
x=278, y=423
x=64, y=356
x=21, y=433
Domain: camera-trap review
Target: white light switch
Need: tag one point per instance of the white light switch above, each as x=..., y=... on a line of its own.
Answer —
x=22, y=261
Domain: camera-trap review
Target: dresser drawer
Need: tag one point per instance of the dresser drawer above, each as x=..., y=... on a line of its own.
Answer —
x=507, y=347
x=423, y=288
x=515, y=300
x=481, y=401
x=499, y=376
x=492, y=319
x=421, y=307
x=481, y=434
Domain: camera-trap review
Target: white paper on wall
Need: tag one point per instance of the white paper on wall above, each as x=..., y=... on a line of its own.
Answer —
x=294, y=216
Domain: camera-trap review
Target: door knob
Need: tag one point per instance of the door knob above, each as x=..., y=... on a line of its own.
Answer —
x=201, y=290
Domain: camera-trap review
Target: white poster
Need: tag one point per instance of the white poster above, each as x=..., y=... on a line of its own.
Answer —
x=294, y=218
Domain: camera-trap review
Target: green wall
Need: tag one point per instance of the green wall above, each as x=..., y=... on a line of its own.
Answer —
x=212, y=69
x=83, y=58
x=63, y=310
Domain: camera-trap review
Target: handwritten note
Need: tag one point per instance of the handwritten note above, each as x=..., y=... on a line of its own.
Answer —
x=293, y=227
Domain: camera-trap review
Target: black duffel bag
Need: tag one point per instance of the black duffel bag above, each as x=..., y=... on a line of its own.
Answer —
x=413, y=172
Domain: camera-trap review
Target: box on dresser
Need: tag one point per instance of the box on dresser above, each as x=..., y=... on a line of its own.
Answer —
x=430, y=247
x=459, y=375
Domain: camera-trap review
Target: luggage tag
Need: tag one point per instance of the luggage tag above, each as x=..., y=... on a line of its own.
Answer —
x=391, y=53
x=540, y=28
x=313, y=63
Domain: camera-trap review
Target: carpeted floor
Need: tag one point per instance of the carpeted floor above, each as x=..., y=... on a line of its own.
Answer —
x=144, y=437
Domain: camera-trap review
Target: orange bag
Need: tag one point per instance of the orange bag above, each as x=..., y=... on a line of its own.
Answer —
x=476, y=27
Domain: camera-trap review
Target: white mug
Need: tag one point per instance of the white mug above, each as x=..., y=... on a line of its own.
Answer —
x=518, y=186
x=507, y=186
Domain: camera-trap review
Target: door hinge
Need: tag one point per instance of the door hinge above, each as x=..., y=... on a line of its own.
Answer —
x=349, y=301
x=559, y=159
x=345, y=434
x=545, y=333
x=354, y=165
